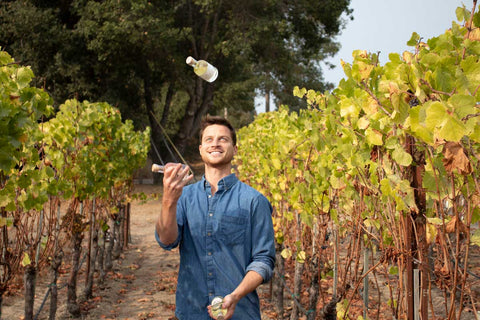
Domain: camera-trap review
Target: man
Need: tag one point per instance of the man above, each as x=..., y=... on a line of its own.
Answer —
x=224, y=230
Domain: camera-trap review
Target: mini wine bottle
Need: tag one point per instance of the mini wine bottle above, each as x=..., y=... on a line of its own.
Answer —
x=203, y=69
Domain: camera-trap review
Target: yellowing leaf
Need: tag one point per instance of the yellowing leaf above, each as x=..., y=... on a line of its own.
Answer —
x=431, y=233
x=286, y=253
x=374, y=137
x=3, y=221
x=363, y=123
x=435, y=221
x=452, y=130
x=301, y=256
x=277, y=164
x=26, y=260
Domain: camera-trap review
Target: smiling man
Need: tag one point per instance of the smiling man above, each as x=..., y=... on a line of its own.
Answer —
x=223, y=228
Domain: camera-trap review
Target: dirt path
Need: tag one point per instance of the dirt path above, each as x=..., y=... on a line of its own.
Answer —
x=141, y=285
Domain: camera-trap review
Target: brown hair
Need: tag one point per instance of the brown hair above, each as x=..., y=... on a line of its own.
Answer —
x=211, y=120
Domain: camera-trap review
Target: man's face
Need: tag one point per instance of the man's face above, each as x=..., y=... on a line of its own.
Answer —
x=217, y=147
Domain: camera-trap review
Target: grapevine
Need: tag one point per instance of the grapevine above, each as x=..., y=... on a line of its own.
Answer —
x=388, y=163
x=83, y=156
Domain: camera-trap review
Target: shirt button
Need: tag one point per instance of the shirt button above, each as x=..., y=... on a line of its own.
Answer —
x=210, y=274
x=209, y=234
x=211, y=214
x=209, y=253
x=209, y=195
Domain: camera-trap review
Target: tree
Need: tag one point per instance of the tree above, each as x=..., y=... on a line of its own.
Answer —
x=132, y=53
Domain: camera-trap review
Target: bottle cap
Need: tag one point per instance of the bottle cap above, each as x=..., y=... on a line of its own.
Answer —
x=190, y=61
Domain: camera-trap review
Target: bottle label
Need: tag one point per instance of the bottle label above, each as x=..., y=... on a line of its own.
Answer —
x=210, y=74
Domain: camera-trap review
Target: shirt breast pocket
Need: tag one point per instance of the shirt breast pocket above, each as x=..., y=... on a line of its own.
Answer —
x=232, y=229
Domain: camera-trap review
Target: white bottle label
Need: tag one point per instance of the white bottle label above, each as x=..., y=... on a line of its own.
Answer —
x=210, y=74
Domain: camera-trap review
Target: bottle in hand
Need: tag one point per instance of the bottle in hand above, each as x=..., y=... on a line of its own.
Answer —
x=217, y=311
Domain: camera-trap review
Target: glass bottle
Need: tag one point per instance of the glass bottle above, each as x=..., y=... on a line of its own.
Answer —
x=217, y=311
x=203, y=69
x=161, y=168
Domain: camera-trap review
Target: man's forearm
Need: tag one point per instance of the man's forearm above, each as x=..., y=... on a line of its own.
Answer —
x=249, y=283
x=166, y=225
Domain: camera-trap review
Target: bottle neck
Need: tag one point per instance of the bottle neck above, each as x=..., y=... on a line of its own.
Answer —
x=191, y=61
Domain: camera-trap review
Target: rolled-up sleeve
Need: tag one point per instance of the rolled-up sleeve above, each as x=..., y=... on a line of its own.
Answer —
x=263, y=239
x=171, y=245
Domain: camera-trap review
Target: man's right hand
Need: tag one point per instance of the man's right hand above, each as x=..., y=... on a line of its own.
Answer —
x=175, y=177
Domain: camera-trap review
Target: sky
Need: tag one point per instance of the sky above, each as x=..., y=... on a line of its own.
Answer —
x=386, y=26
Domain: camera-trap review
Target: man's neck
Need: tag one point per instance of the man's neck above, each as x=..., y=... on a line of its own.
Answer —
x=213, y=175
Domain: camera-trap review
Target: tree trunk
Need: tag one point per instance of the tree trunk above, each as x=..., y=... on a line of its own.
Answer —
x=116, y=235
x=267, y=101
x=55, y=264
x=2, y=292
x=77, y=236
x=101, y=257
x=197, y=107
x=93, y=257
x=127, y=225
x=418, y=249
x=166, y=106
x=29, y=278
x=329, y=311
x=278, y=286
x=298, y=271
x=314, y=270
x=109, y=249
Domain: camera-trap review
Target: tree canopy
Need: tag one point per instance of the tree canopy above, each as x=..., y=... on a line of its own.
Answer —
x=131, y=53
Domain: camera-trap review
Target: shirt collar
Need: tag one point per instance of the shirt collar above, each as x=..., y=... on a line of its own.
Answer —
x=224, y=184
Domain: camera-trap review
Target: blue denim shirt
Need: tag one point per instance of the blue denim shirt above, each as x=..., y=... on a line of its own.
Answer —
x=221, y=237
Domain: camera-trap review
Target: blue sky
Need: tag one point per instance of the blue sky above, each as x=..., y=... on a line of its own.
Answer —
x=386, y=26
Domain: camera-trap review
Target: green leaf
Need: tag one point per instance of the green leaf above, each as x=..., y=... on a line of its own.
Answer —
x=400, y=156
x=462, y=14
x=277, y=164
x=393, y=270
x=452, y=130
x=413, y=39
x=475, y=239
x=300, y=93
x=436, y=221
x=435, y=115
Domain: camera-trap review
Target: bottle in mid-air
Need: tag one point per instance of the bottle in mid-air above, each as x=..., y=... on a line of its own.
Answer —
x=203, y=69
